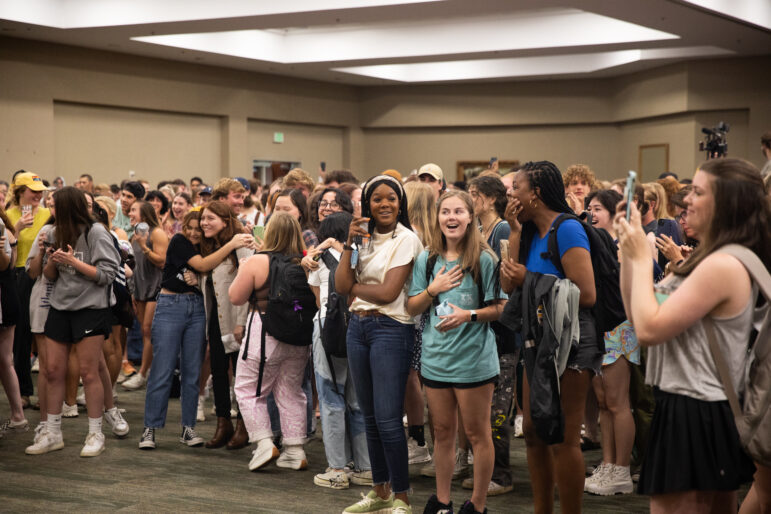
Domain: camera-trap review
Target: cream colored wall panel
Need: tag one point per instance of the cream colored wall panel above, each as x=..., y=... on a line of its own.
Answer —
x=107, y=142
x=306, y=144
x=406, y=150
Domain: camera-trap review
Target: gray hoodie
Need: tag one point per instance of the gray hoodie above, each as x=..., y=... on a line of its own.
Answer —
x=74, y=291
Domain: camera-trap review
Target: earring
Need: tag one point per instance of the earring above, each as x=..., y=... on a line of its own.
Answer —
x=533, y=206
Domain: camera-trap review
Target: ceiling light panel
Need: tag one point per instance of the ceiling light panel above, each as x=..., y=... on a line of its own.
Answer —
x=523, y=66
x=67, y=14
x=548, y=28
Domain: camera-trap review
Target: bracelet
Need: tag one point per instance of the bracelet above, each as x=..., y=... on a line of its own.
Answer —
x=14, y=243
x=429, y=294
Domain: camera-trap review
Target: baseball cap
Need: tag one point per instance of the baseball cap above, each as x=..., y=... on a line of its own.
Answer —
x=205, y=191
x=30, y=180
x=431, y=169
x=244, y=183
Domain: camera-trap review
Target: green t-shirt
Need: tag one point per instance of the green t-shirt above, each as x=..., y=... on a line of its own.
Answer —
x=465, y=354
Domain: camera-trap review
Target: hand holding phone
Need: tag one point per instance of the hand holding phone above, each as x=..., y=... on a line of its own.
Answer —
x=629, y=193
x=504, y=249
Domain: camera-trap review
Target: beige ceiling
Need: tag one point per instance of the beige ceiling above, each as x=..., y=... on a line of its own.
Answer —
x=373, y=42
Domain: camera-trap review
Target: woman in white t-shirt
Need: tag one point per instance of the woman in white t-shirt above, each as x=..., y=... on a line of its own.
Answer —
x=375, y=269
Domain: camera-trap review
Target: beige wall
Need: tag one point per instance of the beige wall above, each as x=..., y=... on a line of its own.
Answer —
x=107, y=142
x=65, y=109
x=306, y=144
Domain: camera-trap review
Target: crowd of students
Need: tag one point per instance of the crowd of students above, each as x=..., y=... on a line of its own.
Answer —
x=533, y=304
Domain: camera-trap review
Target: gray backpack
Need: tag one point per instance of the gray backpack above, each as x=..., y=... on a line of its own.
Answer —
x=753, y=413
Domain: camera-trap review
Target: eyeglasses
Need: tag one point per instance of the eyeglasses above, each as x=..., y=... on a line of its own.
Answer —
x=329, y=205
x=681, y=216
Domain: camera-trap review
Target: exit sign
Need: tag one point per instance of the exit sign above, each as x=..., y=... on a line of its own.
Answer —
x=278, y=137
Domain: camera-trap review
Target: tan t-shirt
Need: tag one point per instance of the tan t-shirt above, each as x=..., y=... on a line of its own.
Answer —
x=387, y=251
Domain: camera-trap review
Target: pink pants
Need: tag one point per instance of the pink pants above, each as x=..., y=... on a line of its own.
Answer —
x=283, y=375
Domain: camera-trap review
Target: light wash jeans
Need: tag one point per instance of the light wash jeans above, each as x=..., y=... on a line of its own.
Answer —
x=179, y=328
x=342, y=421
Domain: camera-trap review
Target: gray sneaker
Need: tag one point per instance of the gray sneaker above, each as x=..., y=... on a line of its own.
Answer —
x=190, y=438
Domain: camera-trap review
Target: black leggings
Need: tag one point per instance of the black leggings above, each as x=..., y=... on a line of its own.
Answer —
x=220, y=362
x=22, y=337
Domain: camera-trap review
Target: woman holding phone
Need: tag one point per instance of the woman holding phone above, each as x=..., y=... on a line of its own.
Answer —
x=381, y=333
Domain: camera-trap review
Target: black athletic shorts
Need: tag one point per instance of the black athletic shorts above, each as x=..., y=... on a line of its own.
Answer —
x=72, y=326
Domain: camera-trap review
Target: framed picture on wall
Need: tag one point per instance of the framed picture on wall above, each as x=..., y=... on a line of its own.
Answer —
x=466, y=170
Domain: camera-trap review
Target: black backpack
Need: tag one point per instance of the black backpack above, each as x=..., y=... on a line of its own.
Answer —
x=608, y=309
x=333, y=333
x=291, y=307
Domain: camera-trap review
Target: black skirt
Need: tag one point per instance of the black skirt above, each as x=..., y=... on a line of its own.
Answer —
x=9, y=296
x=693, y=445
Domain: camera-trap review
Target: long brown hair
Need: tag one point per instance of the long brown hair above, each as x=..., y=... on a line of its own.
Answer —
x=232, y=227
x=741, y=215
x=148, y=215
x=8, y=225
x=72, y=216
x=471, y=246
x=283, y=235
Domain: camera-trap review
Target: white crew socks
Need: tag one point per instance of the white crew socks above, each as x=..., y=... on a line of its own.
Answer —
x=54, y=424
x=95, y=425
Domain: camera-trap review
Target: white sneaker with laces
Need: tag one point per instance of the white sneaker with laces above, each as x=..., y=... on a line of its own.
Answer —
x=597, y=474
x=417, y=454
x=94, y=445
x=81, y=399
x=45, y=442
x=518, y=433
x=334, y=479
x=120, y=426
x=293, y=457
x=615, y=481
x=266, y=451
x=39, y=430
x=69, y=411
x=137, y=381
x=147, y=441
x=361, y=478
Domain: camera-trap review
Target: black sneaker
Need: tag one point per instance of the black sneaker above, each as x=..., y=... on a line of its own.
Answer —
x=147, y=441
x=468, y=508
x=190, y=438
x=434, y=506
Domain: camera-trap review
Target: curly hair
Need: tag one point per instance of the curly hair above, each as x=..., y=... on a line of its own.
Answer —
x=580, y=172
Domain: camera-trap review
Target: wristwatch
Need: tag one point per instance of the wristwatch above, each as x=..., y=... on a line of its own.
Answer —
x=473, y=315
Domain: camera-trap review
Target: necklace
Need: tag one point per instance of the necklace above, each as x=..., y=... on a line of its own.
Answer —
x=487, y=231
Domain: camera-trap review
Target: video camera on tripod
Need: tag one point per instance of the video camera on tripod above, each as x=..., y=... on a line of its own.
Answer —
x=716, y=143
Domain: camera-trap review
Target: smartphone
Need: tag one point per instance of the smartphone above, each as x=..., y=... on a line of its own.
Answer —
x=323, y=166
x=26, y=209
x=441, y=322
x=258, y=232
x=631, y=182
x=504, y=249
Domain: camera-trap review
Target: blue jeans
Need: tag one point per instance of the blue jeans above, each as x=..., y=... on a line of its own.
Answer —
x=179, y=328
x=379, y=353
x=345, y=438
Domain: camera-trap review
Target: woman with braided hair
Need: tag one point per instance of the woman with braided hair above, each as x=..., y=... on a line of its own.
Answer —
x=381, y=334
x=537, y=200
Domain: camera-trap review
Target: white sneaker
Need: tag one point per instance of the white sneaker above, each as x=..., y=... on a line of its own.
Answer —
x=81, y=399
x=293, y=457
x=35, y=366
x=361, y=478
x=94, y=445
x=138, y=381
x=417, y=454
x=16, y=426
x=69, y=411
x=615, y=481
x=332, y=479
x=199, y=415
x=266, y=451
x=597, y=474
x=462, y=468
x=233, y=413
x=120, y=426
x=45, y=442
x=121, y=377
x=518, y=433
x=429, y=470
x=39, y=431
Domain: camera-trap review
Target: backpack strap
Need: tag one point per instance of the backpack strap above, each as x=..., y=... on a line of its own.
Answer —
x=262, y=360
x=430, y=263
x=761, y=277
x=552, y=252
x=331, y=263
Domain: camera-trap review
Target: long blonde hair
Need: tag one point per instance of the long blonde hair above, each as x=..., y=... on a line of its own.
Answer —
x=283, y=235
x=660, y=194
x=421, y=209
x=471, y=246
